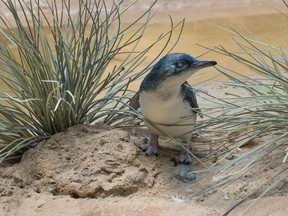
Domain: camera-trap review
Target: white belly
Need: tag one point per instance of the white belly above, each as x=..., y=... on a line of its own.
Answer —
x=173, y=116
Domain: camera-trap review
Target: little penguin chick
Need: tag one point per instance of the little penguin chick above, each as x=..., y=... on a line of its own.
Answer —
x=168, y=102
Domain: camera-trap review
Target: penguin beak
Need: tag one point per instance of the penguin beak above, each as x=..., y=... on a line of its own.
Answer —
x=179, y=77
x=202, y=64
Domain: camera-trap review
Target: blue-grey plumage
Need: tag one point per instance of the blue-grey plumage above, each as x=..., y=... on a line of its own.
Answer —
x=168, y=102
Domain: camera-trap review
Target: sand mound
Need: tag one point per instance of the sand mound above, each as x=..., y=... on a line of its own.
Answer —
x=84, y=162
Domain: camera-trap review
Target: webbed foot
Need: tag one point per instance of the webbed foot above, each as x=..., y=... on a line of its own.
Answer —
x=182, y=158
x=152, y=147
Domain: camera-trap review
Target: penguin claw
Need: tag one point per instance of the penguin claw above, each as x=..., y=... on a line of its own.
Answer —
x=153, y=154
x=183, y=158
x=150, y=150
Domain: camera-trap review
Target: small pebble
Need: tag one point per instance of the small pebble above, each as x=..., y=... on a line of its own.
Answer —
x=185, y=173
x=230, y=157
x=215, y=179
x=211, y=190
x=226, y=196
x=199, y=198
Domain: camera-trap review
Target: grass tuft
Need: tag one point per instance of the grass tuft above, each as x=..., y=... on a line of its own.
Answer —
x=260, y=116
x=58, y=67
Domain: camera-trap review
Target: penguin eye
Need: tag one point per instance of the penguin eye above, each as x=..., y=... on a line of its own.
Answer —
x=179, y=64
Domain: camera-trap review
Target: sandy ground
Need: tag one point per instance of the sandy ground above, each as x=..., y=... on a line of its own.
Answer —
x=92, y=170
x=97, y=170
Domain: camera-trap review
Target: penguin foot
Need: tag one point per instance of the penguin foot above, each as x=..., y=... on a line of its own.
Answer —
x=152, y=147
x=182, y=158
